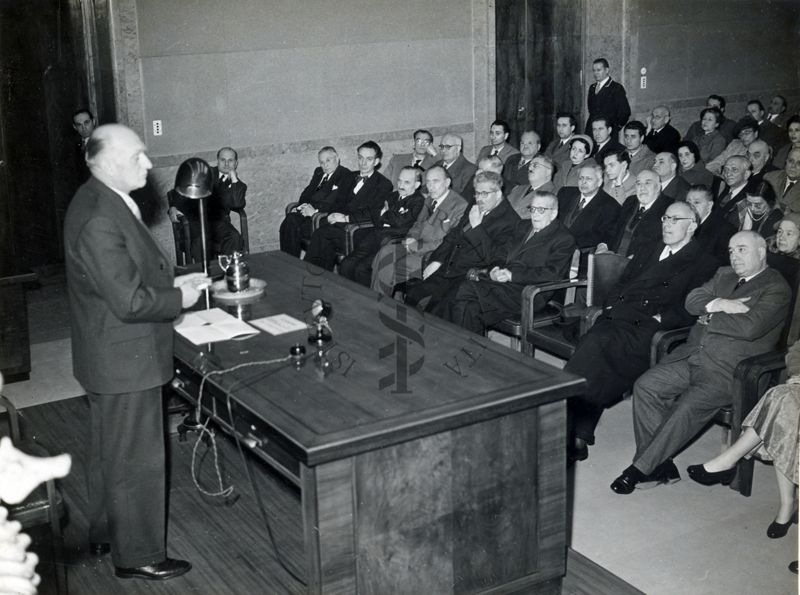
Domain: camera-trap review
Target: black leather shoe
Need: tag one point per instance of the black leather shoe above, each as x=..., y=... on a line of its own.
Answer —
x=161, y=571
x=777, y=530
x=99, y=548
x=793, y=566
x=626, y=483
x=577, y=454
x=666, y=473
x=708, y=478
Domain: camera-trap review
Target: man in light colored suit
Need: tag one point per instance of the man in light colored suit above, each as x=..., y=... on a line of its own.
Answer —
x=123, y=299
x=618, y=183
x=785, y=184
x=742, y=311
x=459, y=169
x=423, y=154
x=540, y=177
x=499, y=132
x=642, y=158
x=396, y=262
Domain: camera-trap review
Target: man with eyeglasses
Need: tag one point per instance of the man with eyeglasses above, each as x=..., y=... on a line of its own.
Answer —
x=540, y=252
x=423, y=154
x=459, y=169
x=515, y=168
x=648, y=297
x=486, y=230
x=741, y=311
x=490, y=163
x=540, y=177
x=589, y=213
x=661, y=136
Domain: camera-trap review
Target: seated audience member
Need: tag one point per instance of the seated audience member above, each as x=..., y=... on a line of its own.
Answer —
x=398, y=214
x=498, y=142
x=397, y=262
x=459, y=170
x=735, y=176
x=491, y=163
x=661, y=136
x=693, y=168
x=777, y=111
x=589, y=213
x=540, y=175
x=746, y=132
x=641, y=156
x=484, y=232
x=711, y=143
x=770, y=431
x=640, y=225
x=727, y=127
x=758, y=211
x=742, y=311
x=541, y=253
x=423, y=154
x=619, y=184
x=567, y=174
x=786, y=240
x=713, y=231
x=320, y=194
x=559, y=147
x=773, y=135
x=604, y=144
x=793, y=132
x=759, y=154
x=674, y=186
x=515, y=168
x=648, y=297
x=227, y=193
x=360, y=201
x=785, y=183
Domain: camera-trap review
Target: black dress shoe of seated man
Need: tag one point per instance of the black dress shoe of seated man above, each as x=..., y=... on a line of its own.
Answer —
x=160, y=571
x=626, y=483
x=99, y=548
x=632, y=478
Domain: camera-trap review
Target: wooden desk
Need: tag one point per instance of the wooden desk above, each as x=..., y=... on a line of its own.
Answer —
x=429, y=460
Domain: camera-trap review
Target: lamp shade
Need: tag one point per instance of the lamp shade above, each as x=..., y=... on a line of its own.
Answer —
x=194, y=179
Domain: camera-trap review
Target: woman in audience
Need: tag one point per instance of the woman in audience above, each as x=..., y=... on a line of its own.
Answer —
x=693, y=168
x=761, y=213
x=712, y=143
x=786, y=240
x=793, y=130
x=580, y=147
x=771, y=432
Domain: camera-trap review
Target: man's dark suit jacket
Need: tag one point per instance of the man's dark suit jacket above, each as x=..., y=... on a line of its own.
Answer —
x=401, y=160
x=557, y=152
x=730, y=210
x=225, y=197
x=714, y=234
x=645, y=230
x=611, y=101
x=324, y=197
x=665, y=140
x=461, y=172
x=610, y=147
x=677, y=188
x=365, y=205
x=773, y=135
x=596, y=223
x=513, y=174
x=121, y=296
x=790, y=202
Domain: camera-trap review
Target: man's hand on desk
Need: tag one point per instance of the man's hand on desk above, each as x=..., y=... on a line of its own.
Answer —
x=191, y=285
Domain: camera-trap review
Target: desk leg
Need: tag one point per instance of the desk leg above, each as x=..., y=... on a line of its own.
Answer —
x=477, y=509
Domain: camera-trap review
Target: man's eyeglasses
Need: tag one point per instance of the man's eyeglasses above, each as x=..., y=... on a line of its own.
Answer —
x=671, y=219
x=445, y=147
x=540, y=210
x=485, y=194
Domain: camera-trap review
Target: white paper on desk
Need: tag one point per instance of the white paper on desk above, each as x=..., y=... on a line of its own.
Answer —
x=279, y=324
x=210, y=326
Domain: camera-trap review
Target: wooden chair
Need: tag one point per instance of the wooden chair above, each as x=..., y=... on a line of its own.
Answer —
x=44, y=506
x=602, y=272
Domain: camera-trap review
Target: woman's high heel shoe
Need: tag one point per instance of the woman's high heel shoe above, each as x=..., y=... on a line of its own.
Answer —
x=777, y=530
x=707, y=478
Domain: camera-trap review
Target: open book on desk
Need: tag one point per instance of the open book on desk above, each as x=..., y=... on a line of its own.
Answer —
x=210, y=326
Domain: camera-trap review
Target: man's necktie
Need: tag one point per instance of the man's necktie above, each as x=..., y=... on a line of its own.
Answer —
x=581, y=204
x=322, y=181
x=739, y=283
x=495, y=152
x=789, y=184
x=725, y=199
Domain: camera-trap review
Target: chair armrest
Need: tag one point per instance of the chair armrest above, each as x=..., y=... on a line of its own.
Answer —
x=529, y=292
x=13, y=418
x=590, y=316
x=665, y=341
x=350, y=231
x=316, y=218
x=243, y=229
x=290, y=207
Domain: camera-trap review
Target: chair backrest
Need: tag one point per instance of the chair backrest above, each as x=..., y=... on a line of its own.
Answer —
x=605, y=269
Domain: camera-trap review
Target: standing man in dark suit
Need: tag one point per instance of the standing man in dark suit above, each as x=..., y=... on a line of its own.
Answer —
x=742, y=311
x=122, y=302
x=606, y=98
x=397, y=216
x=542, y=251
x=423, y=154
x=459, y=169
x=227, y=194
x=661, y=136
x=359, y=202
x=321, y=193
x=586, y=211
x=648, y=298
x=640, y=226
x=483, y=232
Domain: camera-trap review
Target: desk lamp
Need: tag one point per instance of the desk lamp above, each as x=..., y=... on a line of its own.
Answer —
x=194, y=181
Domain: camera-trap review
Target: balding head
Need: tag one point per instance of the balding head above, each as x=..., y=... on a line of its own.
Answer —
x=736, y=171
x=678, y=225
x=659, y=117
x=748, y=252
x=792, y=166
x=648, y=187
x=758, y=154
x=491, y=163
x=450, y=147
x=117, y=157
